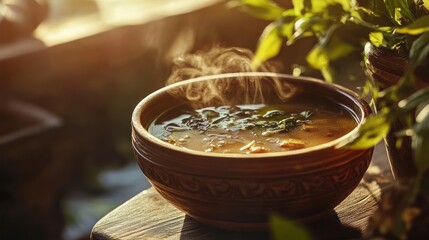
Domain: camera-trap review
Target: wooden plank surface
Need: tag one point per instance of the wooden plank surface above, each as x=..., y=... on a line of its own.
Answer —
x=149, y=216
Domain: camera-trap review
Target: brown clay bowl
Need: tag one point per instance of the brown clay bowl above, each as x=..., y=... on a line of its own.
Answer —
x=239, y=191
x=387, y=68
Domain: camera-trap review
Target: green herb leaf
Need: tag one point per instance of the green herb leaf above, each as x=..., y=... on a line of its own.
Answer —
x=419, y=26
x=400, y=11
x=419, y=51
x=269, y=45
x=322, y=6
x=286, y=124
x=374, y=11
x=399, y=91
x=414, y=100
x=306, y=114
x=376, y=38
x=372, y=131
x=279, y=122
x=287, y=29
x=328, y=74
x=336, y=48
x=324, y=40
x=420, y=140
x=306, y=27
x=325, y=52
x=273, y=113
x=301, y=6
x=282, y=229
x=318, y=57
x=346, y=4
x=264, y=9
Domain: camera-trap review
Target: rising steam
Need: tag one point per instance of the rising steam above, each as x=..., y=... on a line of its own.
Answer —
x=224, y=91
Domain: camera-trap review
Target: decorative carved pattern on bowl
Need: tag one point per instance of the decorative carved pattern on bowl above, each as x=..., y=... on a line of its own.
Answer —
x=292, y=188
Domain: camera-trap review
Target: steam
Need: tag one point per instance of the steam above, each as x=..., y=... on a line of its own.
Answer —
x=225, y=91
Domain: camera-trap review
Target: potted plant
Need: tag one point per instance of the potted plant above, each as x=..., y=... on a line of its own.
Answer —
x=393, y=37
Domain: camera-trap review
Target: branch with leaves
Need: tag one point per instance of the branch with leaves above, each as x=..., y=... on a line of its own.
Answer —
x=343, y=27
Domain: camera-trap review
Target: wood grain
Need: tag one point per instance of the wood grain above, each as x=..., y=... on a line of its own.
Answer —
x=149, y=216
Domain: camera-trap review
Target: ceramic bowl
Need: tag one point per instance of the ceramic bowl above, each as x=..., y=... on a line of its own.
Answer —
x=387, y=67
x=239, y=191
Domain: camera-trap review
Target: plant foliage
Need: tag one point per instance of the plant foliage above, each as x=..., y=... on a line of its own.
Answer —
x=343, y=27
x=285, y=229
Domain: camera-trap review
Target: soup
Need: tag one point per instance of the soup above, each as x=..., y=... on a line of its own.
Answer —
x=302, y=122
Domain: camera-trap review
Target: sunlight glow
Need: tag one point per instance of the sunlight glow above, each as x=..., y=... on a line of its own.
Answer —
x=111, y=14
x=423, y=114
x=129, y=12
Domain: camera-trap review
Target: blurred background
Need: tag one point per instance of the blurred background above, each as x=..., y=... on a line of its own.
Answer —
x=71, y=72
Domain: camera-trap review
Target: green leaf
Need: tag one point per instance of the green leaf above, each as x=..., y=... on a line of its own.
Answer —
x=264, y=9
x=419, y=51
x=393, y=11
x=287, y=29
x=334, y=11
x=336, y=48
x=374, y=13
x=398, y=16
x=400, y=90
x=322, y=6
x=322, y=54
x=307, y=26
x=287, y=23
x=346, y=4
x=376, y=38
x=370, y=89
x=288, y=13
x=269, y=45
x=299, y=6
x=302, y=7
x=353, y=34
x=419, y=26
x=318, y=58
x=372, y=131
x=400, y=11
x=283, y=229
x=420, y=140
x=328, y=74
x=414, y=100
x=327, y=36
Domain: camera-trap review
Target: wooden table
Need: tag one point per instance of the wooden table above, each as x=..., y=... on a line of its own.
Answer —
x=149, y=216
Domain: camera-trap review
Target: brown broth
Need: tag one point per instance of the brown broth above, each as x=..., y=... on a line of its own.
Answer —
x=299, y=123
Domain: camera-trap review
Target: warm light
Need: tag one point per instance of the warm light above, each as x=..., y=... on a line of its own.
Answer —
x=109, y=14
x=423, y=114
x=69, y=30
x=129, y=12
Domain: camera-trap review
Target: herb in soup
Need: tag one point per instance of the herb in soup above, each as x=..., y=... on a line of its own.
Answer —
x=254, y=128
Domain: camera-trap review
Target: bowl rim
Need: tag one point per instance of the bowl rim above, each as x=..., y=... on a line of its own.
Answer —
x=362, y=105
